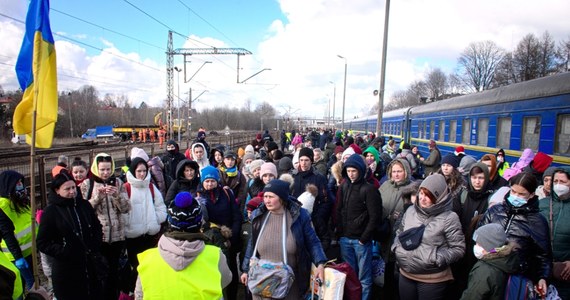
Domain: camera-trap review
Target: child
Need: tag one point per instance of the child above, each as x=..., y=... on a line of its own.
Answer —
x=496, y=260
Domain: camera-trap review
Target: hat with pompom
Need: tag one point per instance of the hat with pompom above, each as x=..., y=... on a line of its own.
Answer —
x=185, y=213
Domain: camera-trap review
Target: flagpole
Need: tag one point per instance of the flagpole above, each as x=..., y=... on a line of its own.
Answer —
x=32, y=168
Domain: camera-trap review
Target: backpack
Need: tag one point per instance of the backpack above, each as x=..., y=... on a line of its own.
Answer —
x=519, y=287
x=128, y=188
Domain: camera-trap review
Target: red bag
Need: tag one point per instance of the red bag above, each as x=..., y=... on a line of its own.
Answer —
x=352, y=286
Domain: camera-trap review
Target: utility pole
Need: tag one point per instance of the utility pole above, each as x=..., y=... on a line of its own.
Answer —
x=383, y=72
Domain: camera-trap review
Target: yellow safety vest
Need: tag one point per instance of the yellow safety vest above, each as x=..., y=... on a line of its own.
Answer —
x=199, y=280
x=22, y=228
x=18, y=289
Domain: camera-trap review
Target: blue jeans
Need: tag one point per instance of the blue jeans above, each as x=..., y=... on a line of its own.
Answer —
x=359, y=257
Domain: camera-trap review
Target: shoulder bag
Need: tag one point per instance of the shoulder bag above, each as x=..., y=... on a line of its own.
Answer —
x=411, y=238
x=266, y=278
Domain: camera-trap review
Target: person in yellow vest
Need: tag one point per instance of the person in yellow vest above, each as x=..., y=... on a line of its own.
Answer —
x=183, y=264
x=16, y=223
x=10, y=281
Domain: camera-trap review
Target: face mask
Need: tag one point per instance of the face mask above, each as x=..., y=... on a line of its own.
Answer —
x=478, y=251
x=516, y=201
x=500, y=158
x=19, y=186
x=561, y=189
x=173, y=151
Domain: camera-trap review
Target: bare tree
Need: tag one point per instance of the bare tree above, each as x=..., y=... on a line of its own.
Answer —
x=436, y=83
x=526, y=58
x=478, y=63
x=563, y=56
x=546, y=55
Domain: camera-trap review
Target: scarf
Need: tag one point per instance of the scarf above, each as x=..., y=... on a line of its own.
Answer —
x=231, y=172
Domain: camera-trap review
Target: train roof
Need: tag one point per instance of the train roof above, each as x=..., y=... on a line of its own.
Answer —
x=546, y=86
x=386, y=114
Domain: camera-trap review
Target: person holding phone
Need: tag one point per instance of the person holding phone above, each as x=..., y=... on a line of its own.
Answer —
x=109, y=199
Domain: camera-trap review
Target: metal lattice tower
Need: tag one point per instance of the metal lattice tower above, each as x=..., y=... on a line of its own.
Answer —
x=169, y=82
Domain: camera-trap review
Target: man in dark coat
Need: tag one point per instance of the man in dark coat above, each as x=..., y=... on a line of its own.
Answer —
x=322, y=207
x=170, y=161
x=358, y=211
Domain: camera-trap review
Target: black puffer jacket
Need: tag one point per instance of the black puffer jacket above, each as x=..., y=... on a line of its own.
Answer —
x=181, y=184
x=529, y=229
x=360, y=207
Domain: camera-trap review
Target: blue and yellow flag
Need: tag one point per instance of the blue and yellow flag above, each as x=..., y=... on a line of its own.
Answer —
x=36, y=71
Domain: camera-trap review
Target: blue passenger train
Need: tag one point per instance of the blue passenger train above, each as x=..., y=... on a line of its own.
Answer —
x=533, y=114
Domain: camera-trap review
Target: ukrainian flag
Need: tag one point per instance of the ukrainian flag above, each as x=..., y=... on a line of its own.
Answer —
x=36, y=71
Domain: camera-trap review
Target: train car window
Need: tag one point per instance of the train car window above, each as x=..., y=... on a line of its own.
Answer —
x=432, y=129
x=482, y=131
x=504, y=133
x=441, y=128
x=422, y=130
x=562, y=143
x=531, y=133
x=466, y=132
x=453, y=131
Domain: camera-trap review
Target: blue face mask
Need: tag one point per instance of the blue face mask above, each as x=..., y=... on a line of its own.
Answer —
x=516, y=201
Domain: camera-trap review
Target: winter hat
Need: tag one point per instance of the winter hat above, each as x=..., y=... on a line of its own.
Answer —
x=307, y=198
x=241, y=152
x=248, y=156
x=255, y=164
x=285, y=165
x=490, y=236
x=254, y=203
x=209, y=172
x=459, y=150
x=268, y=168
x=465, y=164
x=308, y=152
x=185, y=213
x=356, y=149
x=138, y=152
x=450, y=160
x=272, y=146
x=348, y=152
x=279, y=188
x=549, y=172
x=436, y=184
x=338, y=149
x=249, y=149
x=541, y=162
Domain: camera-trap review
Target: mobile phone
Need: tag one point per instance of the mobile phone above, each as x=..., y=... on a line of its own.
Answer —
x=111, y=181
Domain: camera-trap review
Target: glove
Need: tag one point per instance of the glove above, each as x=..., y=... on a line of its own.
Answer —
x=21, y=263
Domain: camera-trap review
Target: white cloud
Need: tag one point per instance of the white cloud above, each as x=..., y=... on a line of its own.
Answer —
x=302, y=52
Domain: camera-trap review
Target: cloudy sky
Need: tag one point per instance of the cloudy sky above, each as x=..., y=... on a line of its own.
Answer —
x=119, y=46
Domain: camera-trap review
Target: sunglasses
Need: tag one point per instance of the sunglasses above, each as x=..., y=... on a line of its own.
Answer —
x=104, y=159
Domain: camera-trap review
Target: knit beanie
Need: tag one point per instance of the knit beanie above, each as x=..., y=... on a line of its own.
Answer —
x=450, y=160
x=241, y=152
x=268, y=168
x=279, y=188
x=348, y=152
x=308, y=152
x=248, y=156
x=338, y=149
x=549, y=172
x=249, y=149
x=436, y=184
x=184, y=213
x=138, y=152
x=209, y=172
x=255, y=164
x=272, y=146
x=490, y=236
x=285, y=165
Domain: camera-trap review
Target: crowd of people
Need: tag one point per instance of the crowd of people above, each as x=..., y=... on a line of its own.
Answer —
x=208, y=221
